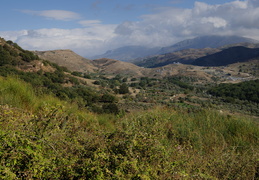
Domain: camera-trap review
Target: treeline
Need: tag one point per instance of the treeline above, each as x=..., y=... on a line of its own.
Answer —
x=13, y=54
x=248, y=90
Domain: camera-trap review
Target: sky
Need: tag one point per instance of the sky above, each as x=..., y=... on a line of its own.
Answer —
x=91, y=27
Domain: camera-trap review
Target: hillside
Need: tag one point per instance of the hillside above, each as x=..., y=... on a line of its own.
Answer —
x=110, y=66
x=228, y=56
x=48, y=78
x=69, y=59
x=186, y=56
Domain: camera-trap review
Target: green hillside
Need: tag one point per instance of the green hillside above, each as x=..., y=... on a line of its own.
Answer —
x=48, y=78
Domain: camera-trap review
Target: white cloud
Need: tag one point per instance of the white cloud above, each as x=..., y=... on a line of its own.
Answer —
x=88, y=23
x=54, y=14
x=164, y=27
x=170, y=25
x=216, y=21
x=85, y=41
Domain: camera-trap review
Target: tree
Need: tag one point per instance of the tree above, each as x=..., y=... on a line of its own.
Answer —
x=110, y=108
x=108, y=98
x=124, y=89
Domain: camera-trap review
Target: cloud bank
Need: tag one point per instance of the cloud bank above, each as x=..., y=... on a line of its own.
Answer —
x=166, y=26
x=54, y=14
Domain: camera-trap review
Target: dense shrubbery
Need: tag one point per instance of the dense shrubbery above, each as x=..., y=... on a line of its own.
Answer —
x=180, y=81
x=12, y=54
x=58, y=141
x=244, y=91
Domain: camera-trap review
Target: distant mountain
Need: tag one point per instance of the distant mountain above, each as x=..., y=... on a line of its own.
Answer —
x=133, y=53
x=206, y=42
x=127, y=53
x=186, y=56
x=228, y=56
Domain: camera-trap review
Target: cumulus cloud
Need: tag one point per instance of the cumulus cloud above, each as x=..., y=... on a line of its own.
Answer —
x=169, y=25
x=165, y=26
x=54, y=14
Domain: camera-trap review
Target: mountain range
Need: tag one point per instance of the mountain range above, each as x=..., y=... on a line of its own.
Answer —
x=130, y=53
x=202, y=51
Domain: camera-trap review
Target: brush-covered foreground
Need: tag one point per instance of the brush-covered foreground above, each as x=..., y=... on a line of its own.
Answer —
x=45, y=138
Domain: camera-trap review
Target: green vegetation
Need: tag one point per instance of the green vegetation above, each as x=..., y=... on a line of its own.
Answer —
x=12, y=54
x=13, y=59
x=59, y=141
x=244, y=91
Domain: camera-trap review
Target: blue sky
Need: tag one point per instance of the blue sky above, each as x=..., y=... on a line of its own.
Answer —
x=91, y=27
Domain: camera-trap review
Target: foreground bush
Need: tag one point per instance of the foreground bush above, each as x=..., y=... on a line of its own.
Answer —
x=45, y=138
x=159, y=144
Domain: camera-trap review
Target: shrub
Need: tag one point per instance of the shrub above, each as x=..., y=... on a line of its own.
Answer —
x=123, y=89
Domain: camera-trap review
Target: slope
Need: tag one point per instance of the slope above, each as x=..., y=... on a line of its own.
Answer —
x=111, y=66
x=68, y=59
x=228, y=56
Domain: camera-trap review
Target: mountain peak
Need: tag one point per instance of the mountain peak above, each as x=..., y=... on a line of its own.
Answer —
x=208, y=41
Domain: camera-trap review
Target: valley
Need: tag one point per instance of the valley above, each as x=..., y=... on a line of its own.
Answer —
x=149, y=87
x=63, y=116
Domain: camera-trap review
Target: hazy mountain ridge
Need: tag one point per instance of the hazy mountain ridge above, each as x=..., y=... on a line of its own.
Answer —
x=127, y=53
x=130, y=53
x=206, y=42
x=187, y=56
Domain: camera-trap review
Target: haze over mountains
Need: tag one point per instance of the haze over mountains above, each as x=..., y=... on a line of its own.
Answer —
x=129, y=53
x=199, y=51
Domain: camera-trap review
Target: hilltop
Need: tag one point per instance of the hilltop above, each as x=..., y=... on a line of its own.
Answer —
x=69, y=59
